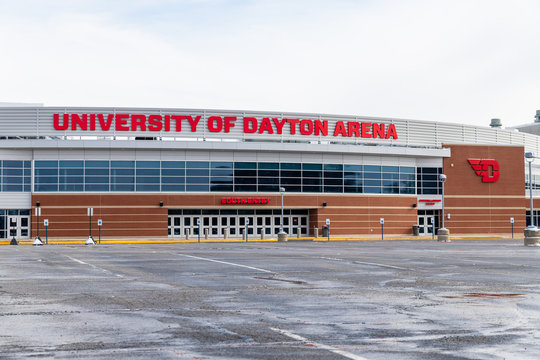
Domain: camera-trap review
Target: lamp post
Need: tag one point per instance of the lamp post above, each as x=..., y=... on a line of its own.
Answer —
x=443, y=234
x=282, y=235
x=531, y=237
x=442, y=178
x=529, y=157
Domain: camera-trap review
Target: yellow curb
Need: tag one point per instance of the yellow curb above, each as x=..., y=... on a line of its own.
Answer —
x=192, y=241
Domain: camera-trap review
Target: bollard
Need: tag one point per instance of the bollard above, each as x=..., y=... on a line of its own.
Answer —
x=532, y=237
x=299, y=233
x=282, y=236
x=206, y=234
x=262, y=234
x=225, y=233
x=244, y=235
x=315, y=232
x=443, y=235
x=187, y=234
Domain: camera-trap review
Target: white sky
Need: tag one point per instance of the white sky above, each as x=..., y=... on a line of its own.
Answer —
x=463, y=61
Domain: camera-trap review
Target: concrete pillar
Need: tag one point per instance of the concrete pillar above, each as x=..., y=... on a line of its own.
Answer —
x=262, y=234
x=443, y=235
x=225, y=233
x=244, y=234
x=532, y=237
x=187, y=234
x=299, y=233
x=315, y=232
x=282, y=236
x=206, y=234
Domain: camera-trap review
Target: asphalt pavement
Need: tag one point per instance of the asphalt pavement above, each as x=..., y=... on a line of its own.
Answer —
x=468, y=299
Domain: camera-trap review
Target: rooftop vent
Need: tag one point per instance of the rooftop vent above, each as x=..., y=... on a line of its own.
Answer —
x=496, y=123
x=537, y=116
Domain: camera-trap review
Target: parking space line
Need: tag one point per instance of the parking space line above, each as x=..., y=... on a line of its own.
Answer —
x=365, y=263
x=318, y=345
x=94, y=266
x=228, y=263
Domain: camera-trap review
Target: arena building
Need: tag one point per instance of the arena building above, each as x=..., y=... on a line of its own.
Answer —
x=158, y=173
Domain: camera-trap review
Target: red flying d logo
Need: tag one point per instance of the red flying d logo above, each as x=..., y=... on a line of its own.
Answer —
x=481, y=167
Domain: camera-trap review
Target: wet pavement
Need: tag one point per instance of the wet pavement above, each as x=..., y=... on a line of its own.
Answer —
x=469, y=299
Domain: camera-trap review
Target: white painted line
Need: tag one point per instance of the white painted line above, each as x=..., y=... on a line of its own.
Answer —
x=381, y=265
x=365, y=263
x=94, y=266
x=319, y=346
x=227, y=263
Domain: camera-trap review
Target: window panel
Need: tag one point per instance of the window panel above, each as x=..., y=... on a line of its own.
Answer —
x=173, y=164
x=269, y=166
x=96, y=164
x=147, y=165
x=197, y=164
x=173, y=180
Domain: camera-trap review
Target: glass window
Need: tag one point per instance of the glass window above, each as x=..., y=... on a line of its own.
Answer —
x=96, y=171
x=221, y=165
x=390, y=169
x=352, y=167
x=372, y=168
x=241, y=188
x=269, y=166
x=311, y=166
x=245, y=165
x=173, y=180
x=43, y=164
x=406, y=170
x=197, y=164
x=96, y=164
x=147, y=164
x=333, y=189
x=197, y=187
x=147, y=187
x=71, y=164
x=333, y=167
x=173, y=172
x=268, y=188
x=197, y=172
x=171, y=187
x=173, y=164
x=290, y=166
x=222, y=172
x=96, y=187
x=122, y=187
x=274, y=180
x=196, y=180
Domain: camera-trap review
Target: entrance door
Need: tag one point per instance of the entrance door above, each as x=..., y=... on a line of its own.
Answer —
x=428, y=221
x=19, y=226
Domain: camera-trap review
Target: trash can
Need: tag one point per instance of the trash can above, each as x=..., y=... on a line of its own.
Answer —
x=325, y=231
x=416, y=230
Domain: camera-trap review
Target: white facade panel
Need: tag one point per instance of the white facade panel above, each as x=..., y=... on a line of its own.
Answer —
x=15, y=200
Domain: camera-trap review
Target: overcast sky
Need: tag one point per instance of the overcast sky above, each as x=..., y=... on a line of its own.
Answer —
x=462, y=61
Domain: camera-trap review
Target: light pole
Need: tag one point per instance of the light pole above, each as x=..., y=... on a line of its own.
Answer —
x=442, y=178
x=443, y=234
x=531, y=235
x=282, y=235
x=529, y=157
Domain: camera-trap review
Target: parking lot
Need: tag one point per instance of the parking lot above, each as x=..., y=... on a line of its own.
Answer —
x=469, y=299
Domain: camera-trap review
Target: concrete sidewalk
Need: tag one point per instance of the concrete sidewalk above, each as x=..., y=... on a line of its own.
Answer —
x=131, y=240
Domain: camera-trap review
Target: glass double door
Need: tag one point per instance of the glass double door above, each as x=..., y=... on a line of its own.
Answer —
x=18, y=226
x=428, y=222
x=236, y=225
